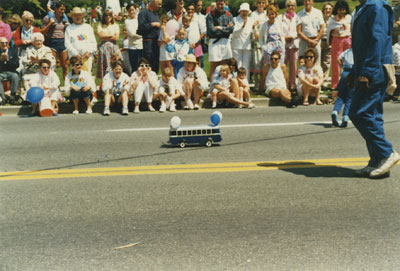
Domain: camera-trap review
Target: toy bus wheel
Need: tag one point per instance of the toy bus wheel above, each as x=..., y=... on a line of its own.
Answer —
x=209, y=142
x=182, y=144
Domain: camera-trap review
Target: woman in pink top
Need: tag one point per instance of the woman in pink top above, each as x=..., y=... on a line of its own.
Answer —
x=5, y=29
x=339, y=34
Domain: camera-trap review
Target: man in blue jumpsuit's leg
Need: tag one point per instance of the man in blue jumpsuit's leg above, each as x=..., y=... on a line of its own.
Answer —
x=372, y=48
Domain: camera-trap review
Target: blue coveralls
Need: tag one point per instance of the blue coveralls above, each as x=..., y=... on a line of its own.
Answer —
x=372, y=48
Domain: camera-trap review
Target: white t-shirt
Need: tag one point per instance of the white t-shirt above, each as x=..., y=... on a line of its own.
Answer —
x=80, y=80
x=241, y=37
x=310, y=22
x=109, y=78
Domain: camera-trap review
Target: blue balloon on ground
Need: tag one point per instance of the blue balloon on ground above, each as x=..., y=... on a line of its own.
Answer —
x=216, y=118
x=35, y=95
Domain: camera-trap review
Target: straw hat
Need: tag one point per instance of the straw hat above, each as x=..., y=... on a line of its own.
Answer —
x=77, y=10
x=244, y=7
x=191, y=58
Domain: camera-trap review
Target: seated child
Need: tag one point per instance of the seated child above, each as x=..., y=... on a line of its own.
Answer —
x=344, y=93
x=169, y=90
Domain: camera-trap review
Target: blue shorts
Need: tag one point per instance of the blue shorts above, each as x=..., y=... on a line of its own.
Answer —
x=117, y=94
x=57, y=45
x=76, y=95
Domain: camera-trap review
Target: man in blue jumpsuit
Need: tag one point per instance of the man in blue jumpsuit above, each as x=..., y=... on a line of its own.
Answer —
x=372, y=48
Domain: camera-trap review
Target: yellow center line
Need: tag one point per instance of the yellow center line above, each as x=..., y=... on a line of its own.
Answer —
x=181, y=169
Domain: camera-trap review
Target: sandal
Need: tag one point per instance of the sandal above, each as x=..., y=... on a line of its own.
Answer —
x=305, y=103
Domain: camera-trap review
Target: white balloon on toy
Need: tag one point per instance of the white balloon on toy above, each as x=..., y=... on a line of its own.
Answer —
x=216, y=118
x=172, y=28
x=175, y=122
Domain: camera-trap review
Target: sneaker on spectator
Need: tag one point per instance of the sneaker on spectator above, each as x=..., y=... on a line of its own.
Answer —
x=214, y=105
x=136, y=110
x=196, y=107
x=94, y=101
x=172, y=107
x=251, y=106
x=189, y=104
x=151, y=109
x=163, y=107
x=124, y=110
x=385, y=165
x=106, y=111
x=75, y=112
x=89, y=111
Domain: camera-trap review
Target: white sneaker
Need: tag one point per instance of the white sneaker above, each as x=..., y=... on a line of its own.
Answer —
x=136, y=110
x=189, y=104
x=75, y=112
x=214, y=105
x=125, y=111
x=89, y=111
x=163, y=108
x=94, y=101
x=251, y=105
x=196, y=107
x=385, y=165
x=172, y=107
x=106, y=111
x=151, y=109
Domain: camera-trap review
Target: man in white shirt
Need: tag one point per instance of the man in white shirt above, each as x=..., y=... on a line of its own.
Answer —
x=241, y=38
x=80, y=39
x=310, y=28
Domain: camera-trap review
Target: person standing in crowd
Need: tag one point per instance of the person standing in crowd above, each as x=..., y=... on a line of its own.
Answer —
x=272, y=37
x=339, y=35
x=241, y=37
x=53, y=28
x=15, y=22
x=108, y=32
x=5, y=29
x=310, y=27
x=80, y=39
x=149, y=29
x=372, y=49
x=291, y=40
x=23, y=35
x=259, y=16
x=196, y=29
x=9, y=62
x=79, y=85
x=396, y=26
x=178, y=12
x=201, y=18
x=325, y=45
x=135, y=41
x=219, y=28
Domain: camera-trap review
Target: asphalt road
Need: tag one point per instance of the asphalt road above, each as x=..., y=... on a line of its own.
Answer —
x=278, y=193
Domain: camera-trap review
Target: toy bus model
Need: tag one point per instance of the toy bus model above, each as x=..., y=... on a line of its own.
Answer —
x=202, y=135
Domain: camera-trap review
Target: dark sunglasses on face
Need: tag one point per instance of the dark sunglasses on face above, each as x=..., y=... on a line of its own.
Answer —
x=4, y=42
x=275, y=58
x=78, y=64
x=28, y=20
x=309, y=57
x=144, y=65
x=45, y=67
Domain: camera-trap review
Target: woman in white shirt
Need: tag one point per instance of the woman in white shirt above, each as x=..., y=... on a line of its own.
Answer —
x=135, y=41
x=291, y=39
x=49, y=82
x=339, y=34
x=79, y=85
x=241, y=37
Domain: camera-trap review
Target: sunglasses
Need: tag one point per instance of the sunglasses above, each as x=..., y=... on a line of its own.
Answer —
x=309, y=57
x=28, y=20
x=290, y=6
x=144, y=65
x=4, y=42
x=275, y=58
x=78, y=64
x=45, y=67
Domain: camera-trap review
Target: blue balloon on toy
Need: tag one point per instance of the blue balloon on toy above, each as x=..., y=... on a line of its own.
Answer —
x=35, y=95
x=216, y=118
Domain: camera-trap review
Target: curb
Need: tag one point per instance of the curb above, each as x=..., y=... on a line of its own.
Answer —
x=67, y=108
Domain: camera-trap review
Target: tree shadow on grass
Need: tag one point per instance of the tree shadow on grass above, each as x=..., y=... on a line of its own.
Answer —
x=312, y=170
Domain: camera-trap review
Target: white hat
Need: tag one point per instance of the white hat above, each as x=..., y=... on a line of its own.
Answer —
x=244, y=7
x=77, y=10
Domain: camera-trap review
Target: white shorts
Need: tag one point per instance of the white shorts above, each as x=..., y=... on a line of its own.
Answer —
x=165, y=55
x=271, y=87
x=220, y=50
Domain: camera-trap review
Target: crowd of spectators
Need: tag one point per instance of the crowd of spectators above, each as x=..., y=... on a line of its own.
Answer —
x=287, y=56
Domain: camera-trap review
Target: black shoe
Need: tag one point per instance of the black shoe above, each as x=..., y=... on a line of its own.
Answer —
x=12, y=100
x=345, y=121
x=334, y=120
x=291, y=104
